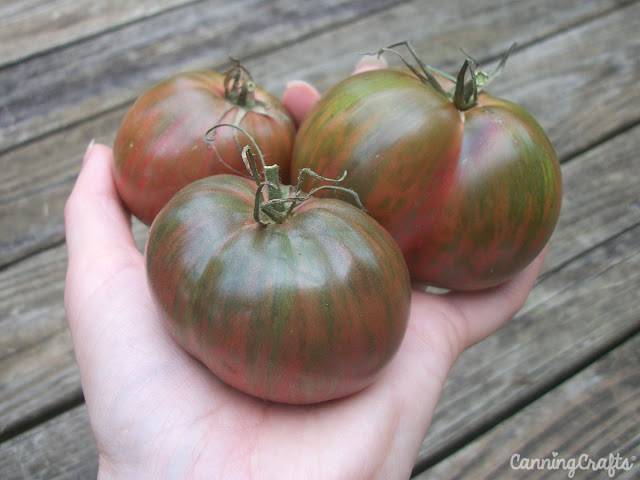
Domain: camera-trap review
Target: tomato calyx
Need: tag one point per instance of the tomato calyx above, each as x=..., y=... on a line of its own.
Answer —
x=464, y=93
x=281, y=200
x=240, y=91
x=239, y=87
x=275, y=203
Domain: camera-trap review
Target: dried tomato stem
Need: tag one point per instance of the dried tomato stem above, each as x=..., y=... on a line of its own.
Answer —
x=425, y=74
x=274, y=190
x=278, y=196
x=239, y=87
x=465, y=93
x=210, y=137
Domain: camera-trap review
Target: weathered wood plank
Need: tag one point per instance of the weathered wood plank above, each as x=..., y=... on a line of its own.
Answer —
x=34, y=187
x=71, y=84
x=515, y=358
x=588, y=218
x=31, y=27
x=573, y=88
x=62, y=448
x=85, y=79
x=546, y=343
x=38, y=180
x=38, y=372
x=596, y=413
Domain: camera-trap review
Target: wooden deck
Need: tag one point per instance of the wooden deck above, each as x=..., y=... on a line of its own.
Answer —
x=563, y=376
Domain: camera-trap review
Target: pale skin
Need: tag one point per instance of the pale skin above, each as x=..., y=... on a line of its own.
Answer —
x=157, y=413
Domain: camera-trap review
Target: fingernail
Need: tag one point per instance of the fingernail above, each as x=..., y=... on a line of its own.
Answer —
x=88, y=150
x=370, y=62
x=300, y=83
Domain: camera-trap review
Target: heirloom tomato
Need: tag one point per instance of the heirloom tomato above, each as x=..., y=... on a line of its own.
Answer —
x=160, y=145
x=295, y=305
x=469, y=185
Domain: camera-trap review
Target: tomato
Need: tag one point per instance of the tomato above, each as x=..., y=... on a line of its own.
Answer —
x=160, y=146
x=469, y=185
x=302, y=311
x=395, y=137
x=503, y=207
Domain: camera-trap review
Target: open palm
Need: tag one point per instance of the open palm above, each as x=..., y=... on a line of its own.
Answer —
x=158, y=413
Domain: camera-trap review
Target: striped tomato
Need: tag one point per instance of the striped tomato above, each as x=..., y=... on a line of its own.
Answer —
x=300, y=310
x=397, y=139
x=469, y=185
x=160, y=145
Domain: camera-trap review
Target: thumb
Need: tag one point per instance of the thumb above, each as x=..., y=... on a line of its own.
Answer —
x=299, y=98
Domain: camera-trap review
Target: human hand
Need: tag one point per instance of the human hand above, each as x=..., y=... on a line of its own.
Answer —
x=158, y=413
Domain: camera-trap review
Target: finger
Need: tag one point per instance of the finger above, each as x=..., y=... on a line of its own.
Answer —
x=94, y=214
x=299, y=98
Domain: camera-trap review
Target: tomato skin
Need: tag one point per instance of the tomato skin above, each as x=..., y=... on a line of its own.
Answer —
x=504, y=205
x=300, y=312
x=160, y=145
x=470, y=196
x=396, y=139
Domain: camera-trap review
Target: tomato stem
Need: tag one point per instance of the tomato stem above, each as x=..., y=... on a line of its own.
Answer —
x=265, y=208
x=278, y=196
x=464, y=94
x=426, y=72
x=334, y=181
x=274, y=190
x=240, y=91
x=239, y=87
x=210, y=137
x=272, y=207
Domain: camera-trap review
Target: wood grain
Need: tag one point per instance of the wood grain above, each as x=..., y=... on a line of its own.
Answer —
x=37, y=184
x=600, y=198
x=104, y=72
x=100, y=73
x=31, y=27
x=61, y=449
x=580, y=417
x=38, y=372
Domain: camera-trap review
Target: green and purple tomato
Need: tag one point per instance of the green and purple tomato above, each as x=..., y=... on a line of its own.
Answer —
x=396, y=138
x=504, y=204
x=302, y=311
x=160, y=146
x=469, y=185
